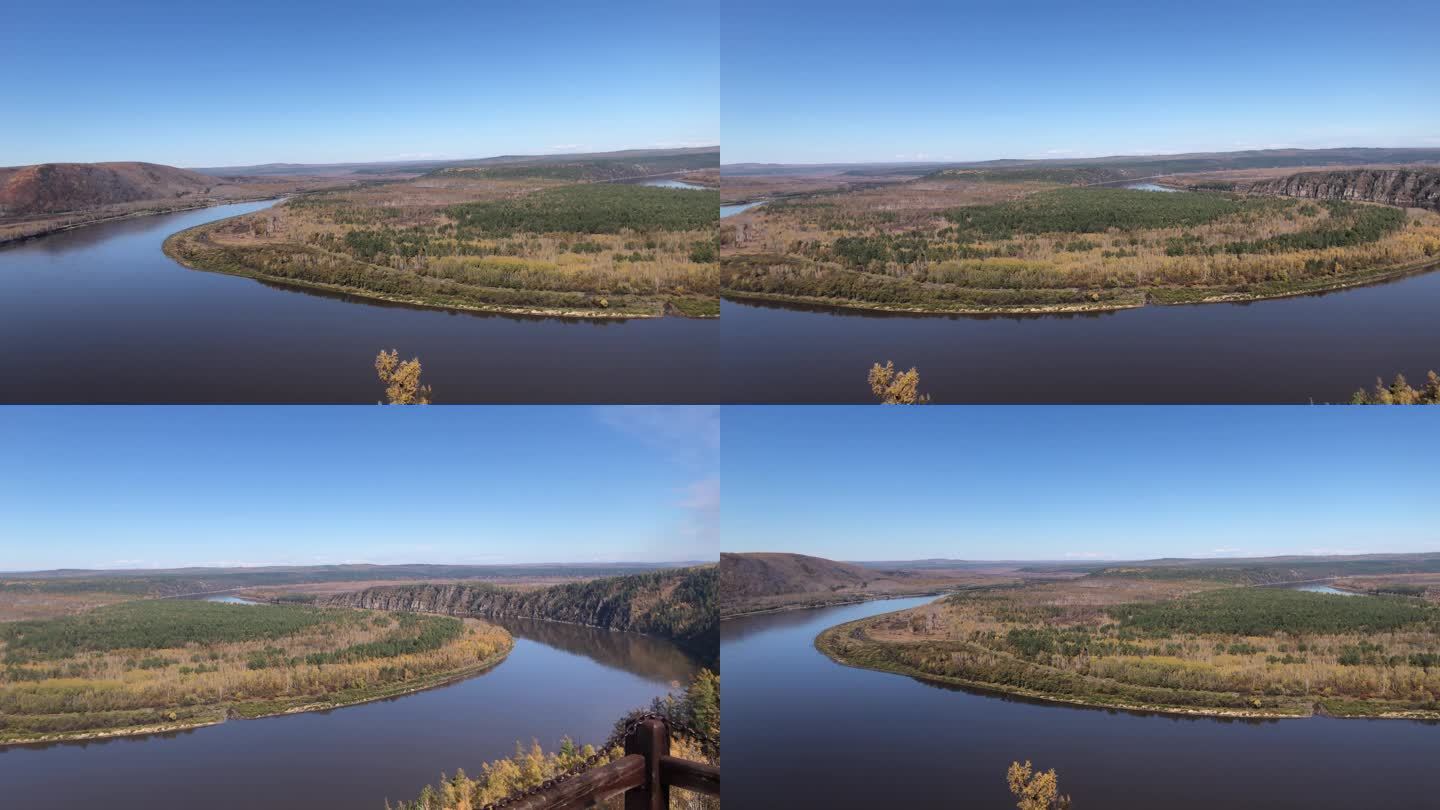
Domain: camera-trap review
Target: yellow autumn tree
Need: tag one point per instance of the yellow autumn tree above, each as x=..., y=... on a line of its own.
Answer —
x=1400, y=392
x=896, y=388
x=402, y=380
x=1036, y=791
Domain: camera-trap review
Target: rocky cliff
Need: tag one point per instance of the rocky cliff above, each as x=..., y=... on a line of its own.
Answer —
x=1410, y=188
x=679, y=604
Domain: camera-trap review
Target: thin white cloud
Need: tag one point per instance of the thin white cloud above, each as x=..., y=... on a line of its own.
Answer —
x=690, y=434
x=702, y=496
x=701, y=525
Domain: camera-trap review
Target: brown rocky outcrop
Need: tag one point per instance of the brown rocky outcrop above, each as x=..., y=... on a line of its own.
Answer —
x=680, y=603
x=1409, y=188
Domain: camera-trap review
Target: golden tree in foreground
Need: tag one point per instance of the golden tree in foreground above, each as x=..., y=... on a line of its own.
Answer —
x=1400, y=392
x=1036, y=791
x=893, y=388
x=402, y=380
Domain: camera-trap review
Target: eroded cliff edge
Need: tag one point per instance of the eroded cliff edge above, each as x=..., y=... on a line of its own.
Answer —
x=679, y=604
x=1409, y=188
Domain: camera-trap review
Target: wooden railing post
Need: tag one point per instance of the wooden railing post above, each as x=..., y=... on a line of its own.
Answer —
x=651, y=739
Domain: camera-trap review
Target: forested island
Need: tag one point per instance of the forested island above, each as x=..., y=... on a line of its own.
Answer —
x=165, y=664
x=543, y=237
x=1190, y=639
x=1065, y=238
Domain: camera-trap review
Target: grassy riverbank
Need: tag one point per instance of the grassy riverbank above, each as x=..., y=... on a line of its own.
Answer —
x=529, y=246
x=1182, y=647
x=159, y=665
x=965, y=247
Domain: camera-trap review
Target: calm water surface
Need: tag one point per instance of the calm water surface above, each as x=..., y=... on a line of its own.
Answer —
x=560, y=679
x=1317, y=348
x=1148, y=186
x=226, y=599
x=668, y=183
x=882, y=740
x=732, y=210
x=99, y=314
x=1316, y=588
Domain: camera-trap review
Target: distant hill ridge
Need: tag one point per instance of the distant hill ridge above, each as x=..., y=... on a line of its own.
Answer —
x=711, y=155
x=1138, y=165
x=60, y=187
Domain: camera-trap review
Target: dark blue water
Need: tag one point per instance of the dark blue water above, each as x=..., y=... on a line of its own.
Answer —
x=101, y=315
x=803, y=731
x=1317, y=348
x=560, y=679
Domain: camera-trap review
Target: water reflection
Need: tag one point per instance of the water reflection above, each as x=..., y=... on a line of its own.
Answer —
x=642, y=655
x=1319, y=347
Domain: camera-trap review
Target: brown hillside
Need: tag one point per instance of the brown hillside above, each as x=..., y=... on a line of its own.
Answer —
x=758, y=582
x=56, y=187
x=746, y=576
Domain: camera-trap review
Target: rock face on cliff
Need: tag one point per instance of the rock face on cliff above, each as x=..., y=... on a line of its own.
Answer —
x=680, y=604
x=1410, y=188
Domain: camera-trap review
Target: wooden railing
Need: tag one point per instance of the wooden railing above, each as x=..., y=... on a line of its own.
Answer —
x=644, y=774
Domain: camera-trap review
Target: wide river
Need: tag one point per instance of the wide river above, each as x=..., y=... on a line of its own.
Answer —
x=1317, y=348
x=100, y=314
x=804, y=731
x=561, y=679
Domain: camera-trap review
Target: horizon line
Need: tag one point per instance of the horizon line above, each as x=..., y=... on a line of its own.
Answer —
x=385, y=161
x=1065, y=157
x=1102, y=559
x=259, y=566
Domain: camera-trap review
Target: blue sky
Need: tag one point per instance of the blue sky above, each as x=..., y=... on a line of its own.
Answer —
x=810, y=82
x=119, y=487
x=227, y=83
x=1075, y=483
